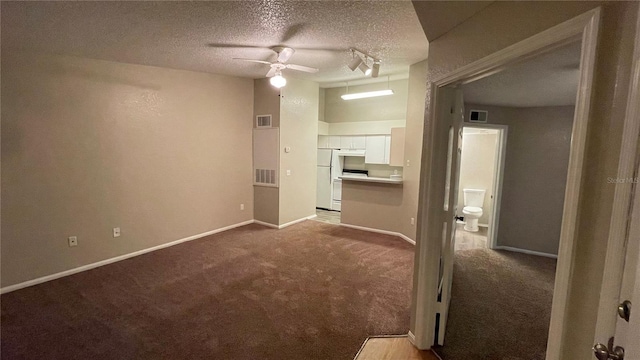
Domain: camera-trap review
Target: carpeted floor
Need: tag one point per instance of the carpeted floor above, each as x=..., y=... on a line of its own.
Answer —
x=309, y=291
x=500, y=306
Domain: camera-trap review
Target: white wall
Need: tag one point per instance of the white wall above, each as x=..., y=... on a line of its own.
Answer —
x=477, y=168
x=89, y=145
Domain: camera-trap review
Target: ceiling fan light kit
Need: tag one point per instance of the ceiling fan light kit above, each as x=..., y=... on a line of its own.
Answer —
x=278, y=81
x=275, y=73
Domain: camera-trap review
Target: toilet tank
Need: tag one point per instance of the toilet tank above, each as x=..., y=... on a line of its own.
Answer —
x=473, y=197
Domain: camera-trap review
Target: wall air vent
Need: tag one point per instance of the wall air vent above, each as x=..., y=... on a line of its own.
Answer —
x=265, y=157
x=263, y=121
x=478, y=116
x=265, y=177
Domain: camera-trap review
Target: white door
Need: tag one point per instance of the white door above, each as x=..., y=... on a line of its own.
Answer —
x=454, y=149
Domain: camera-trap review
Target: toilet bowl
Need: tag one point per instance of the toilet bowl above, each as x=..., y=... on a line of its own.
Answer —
x=473, y=201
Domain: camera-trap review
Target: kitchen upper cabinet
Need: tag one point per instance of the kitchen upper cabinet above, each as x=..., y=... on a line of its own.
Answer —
x=334, y=142
x=376, y=149
x=357, y=142
x=323, y=141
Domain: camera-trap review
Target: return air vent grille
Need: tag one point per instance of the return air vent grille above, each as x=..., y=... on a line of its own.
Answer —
x=265, y=176
x=263, y=121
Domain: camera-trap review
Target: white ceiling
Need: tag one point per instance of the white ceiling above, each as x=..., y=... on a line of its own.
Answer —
x=550, y=79
x=201, y=36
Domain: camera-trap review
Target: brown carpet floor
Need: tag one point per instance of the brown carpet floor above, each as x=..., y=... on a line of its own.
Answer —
x=310, y=291
x=500, y=306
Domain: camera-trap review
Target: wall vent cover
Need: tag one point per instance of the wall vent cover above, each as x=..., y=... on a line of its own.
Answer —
x=265, y=176
x=263, y=121
x=478, y=116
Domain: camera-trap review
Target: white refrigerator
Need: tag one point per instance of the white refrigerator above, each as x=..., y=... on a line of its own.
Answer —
x=329, y=168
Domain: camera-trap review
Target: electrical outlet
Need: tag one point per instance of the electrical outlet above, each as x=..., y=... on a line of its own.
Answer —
x=241, y=206
x=288, y=172
x=73, y=241
x=408, y=163
x=116, y=232
x=413, y=221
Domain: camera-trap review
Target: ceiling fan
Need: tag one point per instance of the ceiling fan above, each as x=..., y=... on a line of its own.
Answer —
x=275, y=73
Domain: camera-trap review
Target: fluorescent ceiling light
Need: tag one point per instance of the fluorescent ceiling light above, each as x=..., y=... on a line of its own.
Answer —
x=367, y=94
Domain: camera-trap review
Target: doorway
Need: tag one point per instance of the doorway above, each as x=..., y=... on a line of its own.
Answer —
x=432, y=254
x=481, y=169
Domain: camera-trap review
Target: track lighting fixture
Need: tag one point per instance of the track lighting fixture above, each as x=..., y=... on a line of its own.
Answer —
x=355, y=62
x=366, y=70
x=375, y=69
x=360, y=60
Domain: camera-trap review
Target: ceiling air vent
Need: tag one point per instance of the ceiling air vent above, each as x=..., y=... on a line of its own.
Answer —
x=263, y=121
x=478, y=116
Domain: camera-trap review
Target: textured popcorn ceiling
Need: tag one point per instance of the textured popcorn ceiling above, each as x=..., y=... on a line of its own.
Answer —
x=182, y=35
x=550, y=79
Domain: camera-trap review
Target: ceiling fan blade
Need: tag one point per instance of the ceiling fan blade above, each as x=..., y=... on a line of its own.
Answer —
x=272, y=72
x=231, y=46
x=285, y=54
x=302, y=68
x=253, y=60
x=291, y=32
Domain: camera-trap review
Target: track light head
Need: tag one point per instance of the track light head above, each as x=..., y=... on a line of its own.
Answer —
x=375, y=70
x=365, y=69
x=355, y=62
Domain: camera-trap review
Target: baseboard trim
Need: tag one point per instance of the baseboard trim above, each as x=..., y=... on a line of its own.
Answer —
x=94, y=265
x=412, y=338
x=525, y=251
x=380, y=231
x=265, y=224
x=297, y=221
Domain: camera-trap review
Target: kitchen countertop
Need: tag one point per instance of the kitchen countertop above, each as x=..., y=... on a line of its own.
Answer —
x=370, y=179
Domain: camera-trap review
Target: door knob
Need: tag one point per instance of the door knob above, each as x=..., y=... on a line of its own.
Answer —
x=624, y=310
x=602, y=352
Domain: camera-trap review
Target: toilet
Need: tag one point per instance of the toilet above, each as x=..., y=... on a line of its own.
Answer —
x=473, y=201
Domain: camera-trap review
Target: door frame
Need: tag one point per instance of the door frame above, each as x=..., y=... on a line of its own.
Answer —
x=621, y=221
x=498, y=177
x=428, y=247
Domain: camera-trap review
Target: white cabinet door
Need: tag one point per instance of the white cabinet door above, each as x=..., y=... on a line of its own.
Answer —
x=323, y=141
x=346, y=142
x=334, y=142
x=387, y=148
x=359, y=142
x=375, y=149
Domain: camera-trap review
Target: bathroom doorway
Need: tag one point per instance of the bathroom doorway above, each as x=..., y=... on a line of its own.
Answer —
x=480, y=185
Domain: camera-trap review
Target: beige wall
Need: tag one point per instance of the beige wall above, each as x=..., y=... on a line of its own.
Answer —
x=384, y=206
x=299, y=131
x=266, y=100
x=393, y=107
x=504, y=23
x=477, y=169
x=417, y=91
x=89, y=145
x=537, y=159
